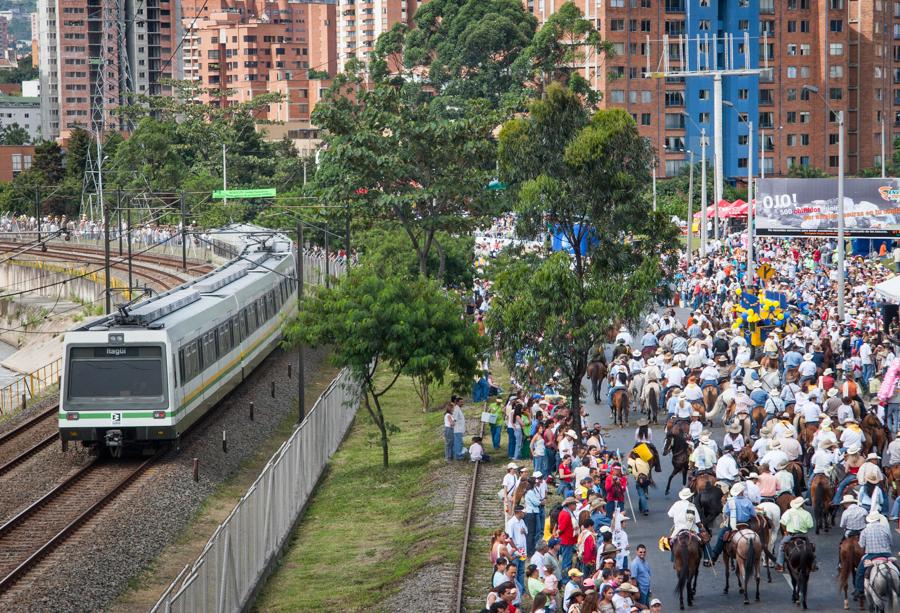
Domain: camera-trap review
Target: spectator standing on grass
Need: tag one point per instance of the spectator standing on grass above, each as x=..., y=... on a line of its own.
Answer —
x=459, y=427
x=552, y=565
x=568, y=532
x=518, y=533
x=448, y=432
x=640, y=570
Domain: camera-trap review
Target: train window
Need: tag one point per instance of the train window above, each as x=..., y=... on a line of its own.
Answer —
x=251, y=318
x=270, y=299
x=236, y=329
x=208, y=347
x=115, y=373
x=261, y=310
x=225, y=343
x=189, y=356
x=242, y=320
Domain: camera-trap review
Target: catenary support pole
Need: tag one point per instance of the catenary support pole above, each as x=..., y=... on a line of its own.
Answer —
x=301, y=391
x=106, y=260
x=130, y=278
x=840, y=213
x=717, y=145
x=750, y=267
x=703, y=211
x=184, y=235
x=690, y=235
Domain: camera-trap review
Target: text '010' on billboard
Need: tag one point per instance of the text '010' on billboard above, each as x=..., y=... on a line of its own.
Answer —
x=808, y=207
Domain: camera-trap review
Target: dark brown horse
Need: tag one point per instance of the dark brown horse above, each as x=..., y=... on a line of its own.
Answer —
x=762, y=525
x=710, y=395
x=876, y=434
x=676, y=443
x=686, y=549
x=746, y=458
x=820, y=493
x=796, y=469
x=849, y=555
x=620, y=407
x=784, y=501
x=652, y=392
x=745, y=548
x=757, y=415
x=799, y=558
x=892, y=480
x=596, y=372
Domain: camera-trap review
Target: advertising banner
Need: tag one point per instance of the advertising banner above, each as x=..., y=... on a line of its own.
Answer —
x=808, y=207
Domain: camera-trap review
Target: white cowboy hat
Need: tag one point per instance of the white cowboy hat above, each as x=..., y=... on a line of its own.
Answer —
x=775, y=392
x=832, y=392
x=537, y=474
x=897, y=435
x=752, y=364
x=710, y=362
x=848, y=499
x=873, y=517
x=622, y=329
x=651, y=362
x=695, y=414
x=854, y=449
x=827, y=371
x=872, y=478
x=737, y=489
x=720, y=333
x=806, y=356
x=680, y=357
x=685, y=494
x=753, y=476
x=873, y=456
x=797, y=502
x=571, y=433
x=781, y=465
x=704, y=438
x=733, y=428
x=635, y=354
x=753, y=384
x=512, y=466
x=692, y=349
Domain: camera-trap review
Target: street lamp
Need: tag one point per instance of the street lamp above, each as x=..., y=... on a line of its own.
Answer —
x=703, y=220
x=746, y=119
x=840, y=204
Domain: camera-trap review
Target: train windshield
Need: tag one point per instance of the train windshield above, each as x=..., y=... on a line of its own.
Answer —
x=117, y=372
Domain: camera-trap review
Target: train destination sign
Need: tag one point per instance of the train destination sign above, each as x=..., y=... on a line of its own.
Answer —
x=264, y=192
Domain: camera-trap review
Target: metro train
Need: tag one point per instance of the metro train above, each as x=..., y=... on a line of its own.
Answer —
x=145, y=374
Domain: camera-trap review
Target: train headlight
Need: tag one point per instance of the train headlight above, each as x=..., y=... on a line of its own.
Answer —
x=159, y=414
x=71, y=416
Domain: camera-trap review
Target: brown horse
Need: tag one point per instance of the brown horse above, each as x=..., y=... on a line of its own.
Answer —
x=769, y=363
x=700, y=408
x=762, y=525
x=796, y=469
x=820, y=492
x=784, y=501
x=710, y=395
x=799, y=558
x=745, y=547
x=849, y=555
x=620, y=407
x=807, y=433
x=892, y=479
x=596, y=372
x=676, y=443
x=746, y=458
x=652, y=391
x=876, y=434
x=686, y=549
x=757, y=415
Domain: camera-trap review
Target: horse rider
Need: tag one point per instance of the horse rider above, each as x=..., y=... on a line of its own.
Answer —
x=767, y=483
x=876, y=542
x=824, y=460
x=733, y=437
x=792, y=358
x=807, y=369
x=752, y=490
x=853, y=517
x=672, y=377
x=649, y=343
x=770, y=347
x=727, y=470
x=636, y=363
x=620, y=382
x=825, y=433
x=738, y=510
x=696, y=428
x=703, y=458
x=761, y=445
x=784, y=478
x=720, y=344
x=685, y=517
x=709, y=376
x=892, y=454
x=845, y=411
x=853, y=460
x=692, y=392
x=623, y=335
x=795, y=523
x=832, y=403
x=774, y=456
x=774, y=405
x=790, y=445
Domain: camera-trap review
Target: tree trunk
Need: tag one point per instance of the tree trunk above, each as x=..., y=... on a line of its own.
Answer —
x=575, y=391
x=378, y=418
x=442, y=265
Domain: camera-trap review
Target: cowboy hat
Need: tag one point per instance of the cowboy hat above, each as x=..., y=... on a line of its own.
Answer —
x=752, y=364
x=832, y=392
x=695, y=414
x=827, y=444
x=827, y=371
x=807, y=356
x=722, y=357
x=898, y=434
x=781, y=465
x=872, y=478
x=737, y=489
x=643, y=422
x=850, y=420
x=635, y=354
x=873, y=456
x=692, y=349
x=733, y=428
x=797, y=502
x=512, y=466
x=537, y=474
x=848, y=499
x=680, y=357
x=873, y=517
x=574, y=572
x=623, y=329
x=651, y=362
x=775, y=392
x=753, y=384
x=854, y=449
x=627, y=587
x=685, y=494
x=569, y=500
x=571, y=433
x=753, y=476
x=704, y=438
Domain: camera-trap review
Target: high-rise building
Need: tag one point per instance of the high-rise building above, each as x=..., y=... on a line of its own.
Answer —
x=361, y=22
x=846, y=49
x=117, y=46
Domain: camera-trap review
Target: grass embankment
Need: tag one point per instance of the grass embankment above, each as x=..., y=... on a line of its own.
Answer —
x=367, y=528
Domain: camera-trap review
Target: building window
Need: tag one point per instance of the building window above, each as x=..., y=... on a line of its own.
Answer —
x=674, y=6
x=804, y=72
x=791, y=94
x=703, y=117
x=792, y=116
x=833, y=160
x=792, y=49
x=836, y=5
x=742, y=162
x=766, y=119
x=767, y=6
x=791, y=72
x=674, y=143
x=792, y=26
x=805, y=49
x=16, y=163
x=703, y=94
x=617, y=96
x=836, y=71
x=617, y=25
x=804, y=116
x=645, y=25
x=836, y=25
x=765, y=96
x=743, y=24
x=674, y=121
x=743, y=94
x=836, y=49
x=742, y=140
x=674, y=98
x=804, y=94
x=645, y=119
x=804, y=161
x=703, y=25
x=674, y=166
x=835, y=93
x=804, y=23
x=833, y=139
x=646, y=97
x=767, y=27
x=791, y=140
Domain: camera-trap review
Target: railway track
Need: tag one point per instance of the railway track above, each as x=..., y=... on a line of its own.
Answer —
x=28, y=438
x=459, y=605
x=44, y=525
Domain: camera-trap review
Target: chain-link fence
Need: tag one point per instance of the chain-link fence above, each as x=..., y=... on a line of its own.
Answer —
x=236, y=558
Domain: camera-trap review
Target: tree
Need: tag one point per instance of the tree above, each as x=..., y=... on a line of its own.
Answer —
x=585, y=176
x=48, y=160
x=80, y=143
x=25, y=71
x=806, y=172
x=14, y=134
x=399, y=325
x=397, y=159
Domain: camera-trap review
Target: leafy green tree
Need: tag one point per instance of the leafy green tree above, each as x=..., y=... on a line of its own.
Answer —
x=398, y=325
x=77, y=152
x=14, y=134
x=48, y=160
x=26, y=71
x=401, y=160
x=585, y=176
x=806, y=172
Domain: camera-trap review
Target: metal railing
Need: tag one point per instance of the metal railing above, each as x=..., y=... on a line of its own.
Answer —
x=14, y=395
x=235, y=559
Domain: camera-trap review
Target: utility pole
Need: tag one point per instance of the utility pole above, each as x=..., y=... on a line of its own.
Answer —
x=762, y=153
x=183, y=234
x=654, y=186
x=224, y=175
x=327, y=260
x=106, y=259
x=883, y=169
x=347, y=240
x=750, y=270
x=703, y=229
x=840, y=232
x=37, y=215
x=301, y=388
x=690, y=234
x=128, y=221
x=119, y=211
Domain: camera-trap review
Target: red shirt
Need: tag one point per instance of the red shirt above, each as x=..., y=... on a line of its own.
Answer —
x=617, y=497
x=589, y=556
x=566, y=525
x=565, y=473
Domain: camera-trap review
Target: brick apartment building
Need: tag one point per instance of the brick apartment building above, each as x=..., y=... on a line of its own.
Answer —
x=82, y=42
x=361, y=22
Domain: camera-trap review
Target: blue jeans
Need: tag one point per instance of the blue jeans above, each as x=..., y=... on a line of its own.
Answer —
x=859, y=580
x=892, y=417
x=458, y=445
x=565, y=560
x=517, y=453
x=540, y=464
x=611, y=507
x=720, y=543
x=839, y=491
x=510, y=443
x=867, y=371
x=895, y=509
x=643, y=504
x=531, y=524
x=520, y=576
x=779, y=559
x=448, y=443
x=495, y=436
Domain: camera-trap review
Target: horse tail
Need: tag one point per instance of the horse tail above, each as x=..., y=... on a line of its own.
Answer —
x=819, y=503
x=684, y=571
x=749, y=564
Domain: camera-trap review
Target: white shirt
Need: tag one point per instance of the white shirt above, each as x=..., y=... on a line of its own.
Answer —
x=791, y=447
x=709, y=373
x=785, y=482
x=822, y=461
x=459, y=420
x=696, y=429
x=851, y=437
x=892, y=456
x=622, y=604
x=844, y=413
x=865, y=353
x=509, y=483
x=674, y=376
x=516, y=529
x=807, y=369
x=735, y=440
x=761, y=447
x=773, y=458
x=703, y=457
x=476, y=452
x=683, y=410
x=538, y=560
x=693, y=392
x=636, y=365
x=751, y=491
x=811, y=412
x=685, y=516
x=565, y=447
x=726, y=468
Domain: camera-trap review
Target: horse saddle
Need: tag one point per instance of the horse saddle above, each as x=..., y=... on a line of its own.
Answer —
x=882, y=560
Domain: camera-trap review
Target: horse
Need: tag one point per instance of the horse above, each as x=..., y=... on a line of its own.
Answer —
x=820, y=493
x=709, y=502
x=710, y=396
x=892, y=479
x=769, y=363
x=764, y=524
x=746, y=458
x=724, y=402
x=745, y=547
x=651, y=399
x=849, y=555
x=796, y=469
x=799, y=559
x=620, y=407
x=876, y=434
x=783, y=500
x=596, y=372
x=678, y=445
x=757, y=416
x=686, y=549
x=882, y=587
x=636, y=391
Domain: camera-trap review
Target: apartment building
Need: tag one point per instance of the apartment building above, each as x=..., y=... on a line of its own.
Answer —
x=361, y=22
x=124, y=47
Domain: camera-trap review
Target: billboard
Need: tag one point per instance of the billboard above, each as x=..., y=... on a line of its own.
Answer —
x=808, y=207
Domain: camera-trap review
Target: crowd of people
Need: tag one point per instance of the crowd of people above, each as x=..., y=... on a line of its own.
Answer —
x=811, y=410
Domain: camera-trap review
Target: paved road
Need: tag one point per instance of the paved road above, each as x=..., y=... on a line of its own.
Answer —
x=774, y=597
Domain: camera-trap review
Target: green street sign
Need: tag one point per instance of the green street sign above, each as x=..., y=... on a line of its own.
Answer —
x=266, y=192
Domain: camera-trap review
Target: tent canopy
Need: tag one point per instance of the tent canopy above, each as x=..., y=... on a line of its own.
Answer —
x=890, y=289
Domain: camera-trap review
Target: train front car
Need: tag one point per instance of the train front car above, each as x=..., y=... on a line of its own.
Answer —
x=117, y=388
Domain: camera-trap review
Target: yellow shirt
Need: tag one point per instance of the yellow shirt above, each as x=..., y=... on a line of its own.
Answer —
x=797, y=521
